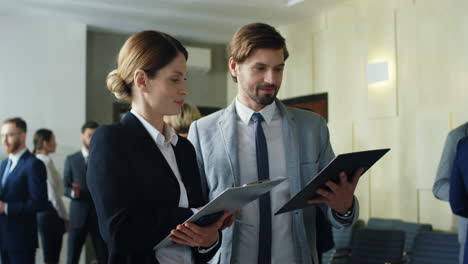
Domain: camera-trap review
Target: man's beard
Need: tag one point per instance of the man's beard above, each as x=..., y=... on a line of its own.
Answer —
x=265, y=99
x=14, y=147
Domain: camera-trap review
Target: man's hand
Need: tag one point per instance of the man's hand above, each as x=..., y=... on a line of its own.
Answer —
x=192, y=235
x=340, y=196
x=2, y=207
x=76, y=189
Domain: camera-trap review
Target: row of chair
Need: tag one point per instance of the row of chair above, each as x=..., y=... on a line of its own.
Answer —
x=389, y=241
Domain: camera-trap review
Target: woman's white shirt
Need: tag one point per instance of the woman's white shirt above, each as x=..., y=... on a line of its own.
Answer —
x=55, y=188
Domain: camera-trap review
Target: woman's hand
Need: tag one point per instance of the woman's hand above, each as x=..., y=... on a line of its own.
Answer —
x=228, y=221
x=192, y=235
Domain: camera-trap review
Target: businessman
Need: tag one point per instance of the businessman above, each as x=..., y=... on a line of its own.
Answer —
x=83, y=218
x=441, y=187
x=23, y=192
x=257, y=138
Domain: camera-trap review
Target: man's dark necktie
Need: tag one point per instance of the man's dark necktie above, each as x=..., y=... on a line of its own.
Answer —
x=264, y=246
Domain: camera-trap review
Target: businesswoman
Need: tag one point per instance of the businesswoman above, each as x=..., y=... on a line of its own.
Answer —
x=181, y=122
x=143, y=178
x=53, y=221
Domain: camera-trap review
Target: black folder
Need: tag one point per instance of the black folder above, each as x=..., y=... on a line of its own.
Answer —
x=348, y=162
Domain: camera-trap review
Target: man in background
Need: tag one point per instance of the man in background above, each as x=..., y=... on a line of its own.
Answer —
x=181, y=122
x=441, y=187
x=83, y=217
x=23, y=193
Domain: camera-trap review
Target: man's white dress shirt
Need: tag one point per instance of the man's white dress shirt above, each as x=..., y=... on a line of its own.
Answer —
x=247, y=245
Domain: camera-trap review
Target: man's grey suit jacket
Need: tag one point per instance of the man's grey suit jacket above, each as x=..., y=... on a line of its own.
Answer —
x=307, y=144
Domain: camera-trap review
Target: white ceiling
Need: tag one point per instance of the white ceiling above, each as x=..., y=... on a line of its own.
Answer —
x=202, y=20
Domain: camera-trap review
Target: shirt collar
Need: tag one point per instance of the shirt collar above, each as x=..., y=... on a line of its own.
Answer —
x=157, y=136
x=43, y=157
x=15, y=157
x=84, y=152
x=245, y=113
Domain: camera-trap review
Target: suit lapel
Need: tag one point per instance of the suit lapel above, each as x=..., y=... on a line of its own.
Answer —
x=147, y=142
x=16, y=168
x=291, y=147
x=182, y=162
x=227, y=127
x=188, y=172
x=2, y=171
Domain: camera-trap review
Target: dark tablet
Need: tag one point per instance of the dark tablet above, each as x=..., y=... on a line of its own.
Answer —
x=349, y=163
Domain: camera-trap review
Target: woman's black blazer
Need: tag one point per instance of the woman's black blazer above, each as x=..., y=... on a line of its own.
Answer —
x=135, y=191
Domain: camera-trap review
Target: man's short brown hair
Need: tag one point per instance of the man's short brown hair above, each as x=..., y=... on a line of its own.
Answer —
x=18, y=121
x=255, y=36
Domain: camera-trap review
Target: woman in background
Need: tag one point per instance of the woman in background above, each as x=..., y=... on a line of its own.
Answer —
x=52, y=222
x=181, y=122
x=143, y=178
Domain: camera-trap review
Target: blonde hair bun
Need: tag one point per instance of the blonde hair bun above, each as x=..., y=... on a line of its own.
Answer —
x=148, y=51
x=117, y=85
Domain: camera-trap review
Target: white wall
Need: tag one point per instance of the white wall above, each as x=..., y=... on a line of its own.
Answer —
x=42, y=79
x=426, y=46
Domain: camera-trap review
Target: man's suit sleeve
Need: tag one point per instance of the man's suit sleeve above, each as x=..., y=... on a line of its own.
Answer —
x=326, y=153
x=325, y=156
x=342, y=224
x=127, y=225
x=68, y=178
x=193, y=137
x=37, y=188
x=458, y=192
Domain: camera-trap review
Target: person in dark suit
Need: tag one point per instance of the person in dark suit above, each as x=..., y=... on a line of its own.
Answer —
x=23, y=192
x=142, y=176
x=441, y=187
x=459, y=187
x=83, y=218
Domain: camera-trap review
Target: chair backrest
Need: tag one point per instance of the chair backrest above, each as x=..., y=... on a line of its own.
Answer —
x=435, y=248
x=410, y=229
x=342, y=240
x=383, y=223
x=371, y=246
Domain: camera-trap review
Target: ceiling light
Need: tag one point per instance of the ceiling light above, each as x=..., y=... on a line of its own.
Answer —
x=292, y=2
